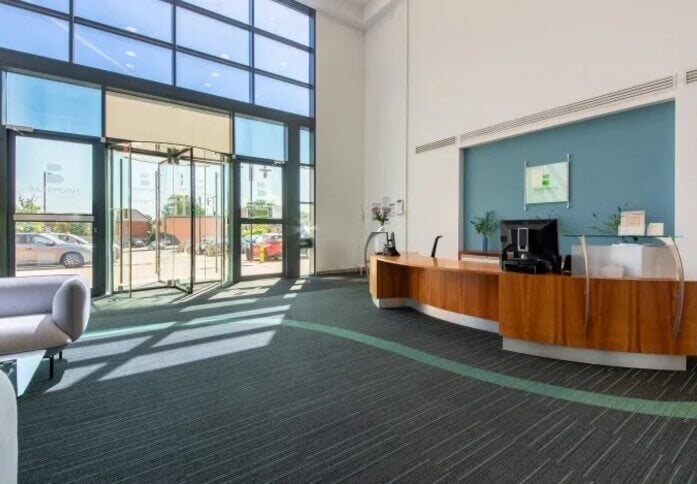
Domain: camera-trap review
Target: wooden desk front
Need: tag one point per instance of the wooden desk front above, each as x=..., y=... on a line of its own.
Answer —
x=626, y=315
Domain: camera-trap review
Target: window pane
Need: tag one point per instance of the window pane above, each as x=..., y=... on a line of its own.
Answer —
x=60, y=5
x=235, y=9
x=53, y=176
x=53, y=248
x=306, y=147
x=260, y=139
x=307, y=239
x=212, y=37
x=281, y=59
x=19, y=28
x=307, y=184
x=281, y=95
x=146, y=17
x=213, y=78
x=261, y=190
x=119, y=54
x=52, y=105
x=262, y=249
x=283, y=21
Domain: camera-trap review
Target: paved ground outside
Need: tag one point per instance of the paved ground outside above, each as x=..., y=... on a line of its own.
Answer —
x=172, y=265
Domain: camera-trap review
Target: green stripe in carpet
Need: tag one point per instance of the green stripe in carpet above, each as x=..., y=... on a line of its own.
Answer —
x=680, y=409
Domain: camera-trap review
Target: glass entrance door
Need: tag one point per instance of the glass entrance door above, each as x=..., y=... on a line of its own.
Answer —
x=53, y=206
x=168, y=206
x=261, y=219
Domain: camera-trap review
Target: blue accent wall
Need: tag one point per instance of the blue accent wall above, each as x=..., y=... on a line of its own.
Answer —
x=625, y=159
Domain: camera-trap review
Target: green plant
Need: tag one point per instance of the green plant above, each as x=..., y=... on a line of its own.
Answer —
x=485, y=225
x=610, y=224
x=381, y=213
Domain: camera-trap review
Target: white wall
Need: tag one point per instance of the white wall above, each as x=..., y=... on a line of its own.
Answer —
x=385, y=169
x=472, y=64
x=339, y=138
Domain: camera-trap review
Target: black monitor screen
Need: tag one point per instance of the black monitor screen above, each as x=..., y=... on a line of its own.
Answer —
x=538, y=237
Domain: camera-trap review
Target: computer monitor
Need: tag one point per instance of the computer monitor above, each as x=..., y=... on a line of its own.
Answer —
x=529, y=244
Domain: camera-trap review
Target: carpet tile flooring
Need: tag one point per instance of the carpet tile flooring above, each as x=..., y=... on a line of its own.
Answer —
x=306, y=381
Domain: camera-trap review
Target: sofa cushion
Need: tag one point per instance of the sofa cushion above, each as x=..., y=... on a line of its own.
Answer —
x=29, y=333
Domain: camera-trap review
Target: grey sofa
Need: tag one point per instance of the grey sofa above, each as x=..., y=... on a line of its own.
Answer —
x=8, y=431
x=39, y=316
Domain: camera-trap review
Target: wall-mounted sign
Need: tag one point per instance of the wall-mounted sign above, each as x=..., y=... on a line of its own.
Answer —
x=547, y=183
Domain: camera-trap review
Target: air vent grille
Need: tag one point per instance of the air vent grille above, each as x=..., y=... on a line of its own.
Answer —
x=657, y=86
x=436, y=144
x=691, y=76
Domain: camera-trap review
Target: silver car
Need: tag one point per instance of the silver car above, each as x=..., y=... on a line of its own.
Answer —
x=46, y=249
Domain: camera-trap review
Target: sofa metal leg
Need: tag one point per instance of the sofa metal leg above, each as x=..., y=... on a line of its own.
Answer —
x=60, y=355
x=50, y=367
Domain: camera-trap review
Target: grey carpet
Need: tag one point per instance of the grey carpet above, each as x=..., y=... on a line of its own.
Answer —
x=221, y=392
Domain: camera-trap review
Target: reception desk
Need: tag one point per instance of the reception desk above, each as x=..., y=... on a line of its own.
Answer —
x=627, y=322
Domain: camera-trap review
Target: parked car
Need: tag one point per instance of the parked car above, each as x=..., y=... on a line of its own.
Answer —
x=47, y=249
x=76, y=239
x=211, y=246
x=271, y=244
x=166, y=241
x=306, y=238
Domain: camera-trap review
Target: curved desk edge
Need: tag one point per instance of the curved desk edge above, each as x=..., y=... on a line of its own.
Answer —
x=644, y=361
x=438, y=313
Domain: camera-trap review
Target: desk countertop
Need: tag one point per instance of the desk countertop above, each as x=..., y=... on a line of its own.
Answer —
x=412, y=259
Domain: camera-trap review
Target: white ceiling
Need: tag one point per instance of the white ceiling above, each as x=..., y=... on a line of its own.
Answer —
x=358, y=13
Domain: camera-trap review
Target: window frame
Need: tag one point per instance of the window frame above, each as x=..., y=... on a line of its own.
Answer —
x=174, y=48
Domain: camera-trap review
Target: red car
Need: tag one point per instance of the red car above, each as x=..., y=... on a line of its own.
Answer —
x=271, y=244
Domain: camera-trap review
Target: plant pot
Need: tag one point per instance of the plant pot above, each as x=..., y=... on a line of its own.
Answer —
x=485, y=244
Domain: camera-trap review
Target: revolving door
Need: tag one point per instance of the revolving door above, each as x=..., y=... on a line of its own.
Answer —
x=169, y=223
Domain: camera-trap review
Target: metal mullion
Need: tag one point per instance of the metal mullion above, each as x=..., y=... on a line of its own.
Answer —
x=295, y=6
x=213, y=15
x=212, y=58
x=174, y=42
x=261, y=221
x=257, y=161
x=313, y=60
x=252, y=60
x=278, y=77
x=37, y=9
x=123, y=33
x=71, y=35
x=284, y=40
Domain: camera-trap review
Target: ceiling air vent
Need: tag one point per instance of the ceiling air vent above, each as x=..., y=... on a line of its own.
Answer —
x=645, y=89
x=436, y=144
x=691, y=76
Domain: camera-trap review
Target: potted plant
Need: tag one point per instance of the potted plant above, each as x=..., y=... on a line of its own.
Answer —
x=485, y=226
x=381, y=213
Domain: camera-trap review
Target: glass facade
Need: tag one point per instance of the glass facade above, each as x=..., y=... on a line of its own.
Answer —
x=250, y=52
x=18, y=29
x=121, y=54
x=258, y=138
x=213, y=37
x=49, y=105
x=267, y=63
x=130, y=16
x=214, y=78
